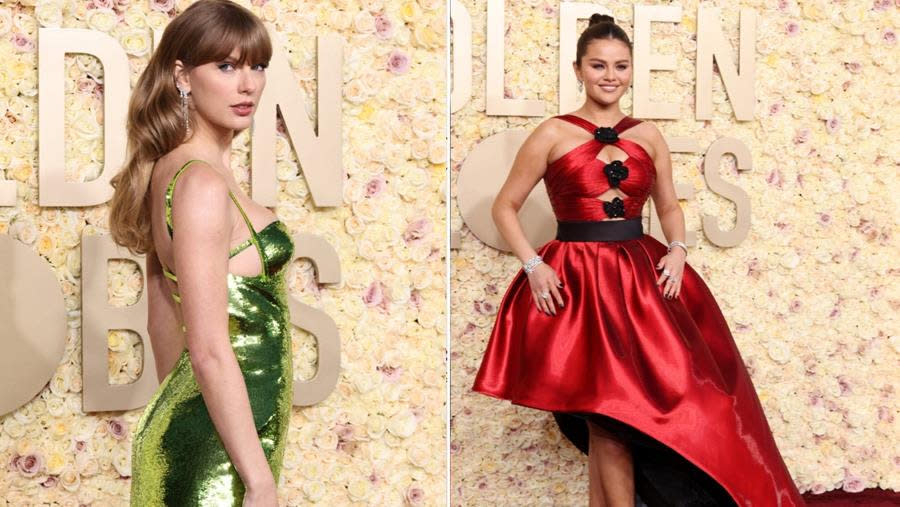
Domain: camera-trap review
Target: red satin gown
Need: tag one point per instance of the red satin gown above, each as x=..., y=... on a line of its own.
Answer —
x=662, y=374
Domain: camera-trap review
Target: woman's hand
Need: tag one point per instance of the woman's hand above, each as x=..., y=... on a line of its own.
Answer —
x=672, y=265
x=263, y=494
x=545, y=288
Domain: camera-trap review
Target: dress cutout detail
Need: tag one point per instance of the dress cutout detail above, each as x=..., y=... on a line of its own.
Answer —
x=178, y=458
x=576, y=180
x=664, y=375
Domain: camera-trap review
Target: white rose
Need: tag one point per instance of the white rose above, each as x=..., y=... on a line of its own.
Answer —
x=48, y=13
x=375, y=425
x=102, y=19
x=136, y=41
x=134, y=17
x=402, y=424
x=314, y=490
x=356, y=91
x=359, y=489
x=5, y=22
x=69, y=479
x=364, y=22
x=156, y=20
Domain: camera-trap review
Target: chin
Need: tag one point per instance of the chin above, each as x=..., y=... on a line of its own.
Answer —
x=241, y=123
x=607, y=100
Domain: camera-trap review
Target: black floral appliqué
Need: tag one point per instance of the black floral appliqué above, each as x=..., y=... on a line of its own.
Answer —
x=614, y=208
x=606, y=135
x=615, y=172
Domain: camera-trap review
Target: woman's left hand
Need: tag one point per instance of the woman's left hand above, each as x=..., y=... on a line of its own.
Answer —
x=672, y=265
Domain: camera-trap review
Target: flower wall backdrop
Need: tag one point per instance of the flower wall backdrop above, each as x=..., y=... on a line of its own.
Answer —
x=379, y=438
x=811, y=294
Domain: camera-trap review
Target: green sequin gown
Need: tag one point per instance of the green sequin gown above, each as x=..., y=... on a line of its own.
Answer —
x=177, y=456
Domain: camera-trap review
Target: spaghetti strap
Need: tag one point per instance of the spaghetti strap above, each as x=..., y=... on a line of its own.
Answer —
x=170, y=191
x=253, y=237
x=252, y=240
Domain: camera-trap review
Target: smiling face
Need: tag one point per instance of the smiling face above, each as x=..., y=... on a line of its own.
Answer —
x=605, y=70
x=223, y=93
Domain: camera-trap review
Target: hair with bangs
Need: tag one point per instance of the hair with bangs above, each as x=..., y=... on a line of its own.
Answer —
x=207, y=31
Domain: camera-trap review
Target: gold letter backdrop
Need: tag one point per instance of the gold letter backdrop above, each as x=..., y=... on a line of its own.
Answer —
x=809, y=288
x=378, y=437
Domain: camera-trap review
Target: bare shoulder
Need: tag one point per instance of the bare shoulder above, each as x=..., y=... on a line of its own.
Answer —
x=550, y=127
x=200, y=195
x=547, y=133
x=649, y=133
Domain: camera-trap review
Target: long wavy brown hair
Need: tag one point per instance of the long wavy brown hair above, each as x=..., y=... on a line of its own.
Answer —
x=207, y=31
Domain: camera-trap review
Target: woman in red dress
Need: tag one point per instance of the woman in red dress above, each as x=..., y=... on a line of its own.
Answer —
x=610, y=329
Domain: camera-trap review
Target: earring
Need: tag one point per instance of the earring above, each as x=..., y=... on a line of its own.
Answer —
x=184, y=111
x=580, y=86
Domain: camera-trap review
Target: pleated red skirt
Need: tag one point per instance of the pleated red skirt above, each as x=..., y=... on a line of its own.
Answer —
x=663, y=374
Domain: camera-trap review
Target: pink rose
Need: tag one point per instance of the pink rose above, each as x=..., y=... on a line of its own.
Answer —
x=30, y=464
x=415, y=298
x=22, y=43
x=374, y=295
x=853, y=67
x=415, y=495
x=853, y=483
x=398, y=62
x=162, y=5
x=391, y=373
x=375, y=186
x=116, y=428
x=802, y=136
x=417, y=230
x=384, y=28
x=344, y=431
x=792, y=28
x=85, y=85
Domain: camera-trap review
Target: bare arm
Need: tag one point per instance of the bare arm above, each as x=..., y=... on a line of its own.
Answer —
x=671, y=217
x=202, y=226
x=162, y=319
x=528, y=168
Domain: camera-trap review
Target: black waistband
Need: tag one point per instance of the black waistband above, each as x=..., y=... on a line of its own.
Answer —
x=602, y=230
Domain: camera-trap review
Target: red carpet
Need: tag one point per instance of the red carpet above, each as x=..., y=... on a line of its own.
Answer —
x=874, y=497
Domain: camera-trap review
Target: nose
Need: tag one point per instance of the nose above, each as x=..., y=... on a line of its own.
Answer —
x=247, y=82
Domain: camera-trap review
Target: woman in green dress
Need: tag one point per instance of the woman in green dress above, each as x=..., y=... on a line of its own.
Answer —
x=214, y=432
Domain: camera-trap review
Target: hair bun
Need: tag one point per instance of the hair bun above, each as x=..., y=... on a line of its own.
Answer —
x=600, y=18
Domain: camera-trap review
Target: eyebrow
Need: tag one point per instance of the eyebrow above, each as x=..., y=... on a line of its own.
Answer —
x=595, y=59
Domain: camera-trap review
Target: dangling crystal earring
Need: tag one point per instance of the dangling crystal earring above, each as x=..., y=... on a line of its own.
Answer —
x=184, y=111
x=580, y=86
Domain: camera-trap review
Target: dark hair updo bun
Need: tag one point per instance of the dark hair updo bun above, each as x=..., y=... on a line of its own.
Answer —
x=600, y=26
x=599, y=18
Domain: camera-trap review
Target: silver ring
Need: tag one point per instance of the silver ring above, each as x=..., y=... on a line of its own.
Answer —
x=545, y=295
x=666, y=272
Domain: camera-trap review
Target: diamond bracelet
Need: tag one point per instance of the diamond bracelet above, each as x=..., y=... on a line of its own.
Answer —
x=677, y=243
x=532, y=263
